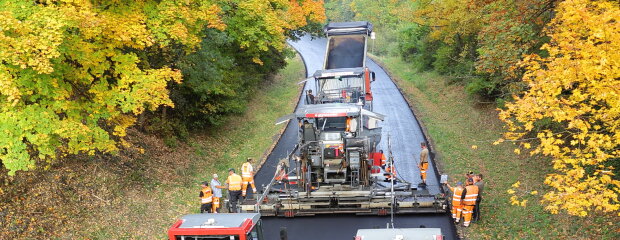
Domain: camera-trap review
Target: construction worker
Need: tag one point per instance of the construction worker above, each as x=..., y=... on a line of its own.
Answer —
x=309, y=97
x=217, y=187
x=480, y=183
x=458, y=194
x=233, y=183
x=423, y=165
x=469, y=175
x=390, y=172
x=247, y=172
x=382, y=158
x=469, y=202
x=282, y=170
x=206, y=198
x=378, y=161
x=351, y=125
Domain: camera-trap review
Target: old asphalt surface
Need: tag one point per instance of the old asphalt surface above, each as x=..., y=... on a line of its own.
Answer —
x=405, y=135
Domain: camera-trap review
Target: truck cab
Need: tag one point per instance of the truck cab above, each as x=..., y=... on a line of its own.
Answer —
x=217, y=226
x=346, y=85
x=399, y=234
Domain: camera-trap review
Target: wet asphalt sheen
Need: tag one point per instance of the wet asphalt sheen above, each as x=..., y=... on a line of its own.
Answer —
x=405, y=135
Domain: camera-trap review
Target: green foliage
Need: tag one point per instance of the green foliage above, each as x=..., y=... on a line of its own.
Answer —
x=385, y=15
x=71, y=79
x=417, y=47
x=75, y=74
x=339, y=10
x=219, y=79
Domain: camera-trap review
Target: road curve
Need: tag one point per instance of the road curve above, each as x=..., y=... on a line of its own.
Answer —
x=405, y=135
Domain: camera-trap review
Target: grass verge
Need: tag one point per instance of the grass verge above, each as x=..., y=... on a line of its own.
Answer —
x=138, y=196
x=463, y=130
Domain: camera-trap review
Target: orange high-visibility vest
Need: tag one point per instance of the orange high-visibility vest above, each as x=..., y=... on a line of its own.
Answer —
x=348, y=124
x=392, y=170
x=456, y=197
x=471, y=195
x=207, y=195
x=246, y=170
x=234, y=182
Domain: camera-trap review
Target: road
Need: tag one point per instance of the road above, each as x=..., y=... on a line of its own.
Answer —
x=405, y=135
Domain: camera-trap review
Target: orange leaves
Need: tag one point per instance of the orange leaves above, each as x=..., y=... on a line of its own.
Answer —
x=573, y=99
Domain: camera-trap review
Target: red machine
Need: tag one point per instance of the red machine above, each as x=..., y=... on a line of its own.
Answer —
x=217, y=226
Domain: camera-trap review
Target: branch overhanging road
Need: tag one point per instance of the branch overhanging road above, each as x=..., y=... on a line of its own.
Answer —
x=405, y=135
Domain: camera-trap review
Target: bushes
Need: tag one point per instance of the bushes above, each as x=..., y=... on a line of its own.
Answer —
x=218, y=80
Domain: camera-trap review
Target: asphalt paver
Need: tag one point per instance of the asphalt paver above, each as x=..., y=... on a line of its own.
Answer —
x=405, y=135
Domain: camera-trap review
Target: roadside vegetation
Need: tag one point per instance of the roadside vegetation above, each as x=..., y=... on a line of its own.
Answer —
x=463, y=129
x=141, y=192
x=524, y=92
x=110, y=111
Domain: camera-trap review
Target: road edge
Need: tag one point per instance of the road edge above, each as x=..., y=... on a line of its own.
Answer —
x=267, y=153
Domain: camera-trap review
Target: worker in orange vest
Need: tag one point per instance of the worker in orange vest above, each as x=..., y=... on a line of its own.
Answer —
x=458, y=194
x=206, y=198
x=378, y=161
x=247, y=172
x=390, y=172
x=469, y=202
x=351, y=124
x=423, y=161
x=382, y=158
x=233, y=183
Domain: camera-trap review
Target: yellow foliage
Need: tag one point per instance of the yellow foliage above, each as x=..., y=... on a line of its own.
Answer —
x=70, y=75
x=448, y=18
x=577, y=89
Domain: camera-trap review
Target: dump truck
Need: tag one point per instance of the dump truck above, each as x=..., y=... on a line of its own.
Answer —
x=217, y=226
x=347, y=44
x=345, y=77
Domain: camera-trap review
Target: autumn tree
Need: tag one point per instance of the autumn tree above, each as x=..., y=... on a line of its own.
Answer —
x=71, y=80
x=570, y=112
x=219, y=78
x=510, y=29
x=74, y=74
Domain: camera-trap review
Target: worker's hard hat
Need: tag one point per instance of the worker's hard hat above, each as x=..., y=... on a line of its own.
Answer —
x=215, y=175
x=459, y=183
